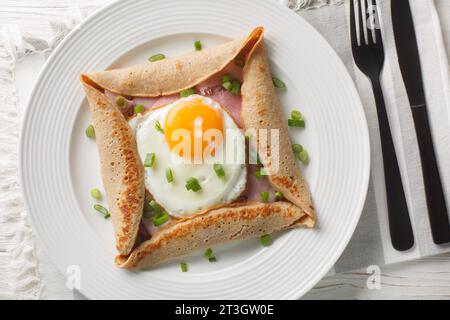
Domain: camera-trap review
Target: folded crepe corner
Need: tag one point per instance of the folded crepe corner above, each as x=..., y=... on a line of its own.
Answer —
x=121, y=168
x=123, y=181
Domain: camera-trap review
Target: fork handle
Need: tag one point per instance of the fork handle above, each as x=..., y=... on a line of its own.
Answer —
x=437, y=209
x=402, y=236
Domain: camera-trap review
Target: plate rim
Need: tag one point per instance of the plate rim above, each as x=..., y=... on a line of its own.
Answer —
x=367, y=152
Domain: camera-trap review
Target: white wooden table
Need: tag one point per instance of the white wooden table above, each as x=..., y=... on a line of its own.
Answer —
x=424, y=279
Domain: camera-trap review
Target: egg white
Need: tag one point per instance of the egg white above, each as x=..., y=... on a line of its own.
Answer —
x=174, y=196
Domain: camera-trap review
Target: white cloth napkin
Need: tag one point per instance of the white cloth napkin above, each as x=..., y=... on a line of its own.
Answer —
x=26, y=272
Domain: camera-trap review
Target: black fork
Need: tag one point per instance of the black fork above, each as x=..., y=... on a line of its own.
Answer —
x=369, y=57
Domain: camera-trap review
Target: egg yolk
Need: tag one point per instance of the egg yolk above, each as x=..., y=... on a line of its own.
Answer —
x=190, y=126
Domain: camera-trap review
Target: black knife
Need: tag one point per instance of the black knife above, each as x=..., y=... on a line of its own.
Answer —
x=408, y=58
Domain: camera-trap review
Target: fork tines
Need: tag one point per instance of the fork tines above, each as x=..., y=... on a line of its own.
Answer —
x=368, y=10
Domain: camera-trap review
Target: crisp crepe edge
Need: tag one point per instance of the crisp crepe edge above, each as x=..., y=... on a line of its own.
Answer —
x=121, y=168
x=261, y=109
x=217, y=226
x=172, y=75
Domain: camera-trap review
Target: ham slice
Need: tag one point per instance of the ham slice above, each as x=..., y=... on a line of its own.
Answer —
x=257, y=185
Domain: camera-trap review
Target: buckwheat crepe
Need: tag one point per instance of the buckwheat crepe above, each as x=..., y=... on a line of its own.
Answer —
x=122, y=169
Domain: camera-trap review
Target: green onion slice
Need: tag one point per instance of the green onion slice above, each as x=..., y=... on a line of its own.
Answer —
x=278, y=196
x=258, y=159
x=156, y=209
x=296, y=115
x=96, y=194
x=139, y=108
x=265, y=240
x=169, y=175
x=90, y=131
x=236, y=87
x=149, y=160
x=212, y=259
x=102, y=210
x=198, y=45
x=208, y=253
x=158, y=126
x=193, y=184
x=184, y=267
x=120, y=101
x=299, y=123
x=147, y=207
x=297, y=148
x=187, y=92
x=278, y=83
x=258, y=173
x=156, y=57
x=264, y=196
x=303, y=156
x=227, y=86
x=160, y=219
x=219, y=170
x=226, y=78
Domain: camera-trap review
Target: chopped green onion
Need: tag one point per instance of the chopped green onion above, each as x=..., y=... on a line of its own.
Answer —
x=236, y=87
x=278, y=196
x=102, y=210
x=139, y=108
x=219, y=170
x=226, y=78
x=151, y=208
x=90, y=131
x=299, y=123
x=149, y=160
x=193, y=185
x=184, y=267
x=208, y=253
x=227, y=85
x=120, y=101
x=147, y=200
x=278, y=83
x=258, y=173
x=198, y=45
x=160, y=219
x=147, y=207
x=155, y=208
x=265, y=240
x=297, y=148
x=303, y=156
x=264, y=196
x=187, y=92
x=158, y=126
x=212, y=259
x=296, y=115
x=96, y=194
x=156, y=57
x=169, y=175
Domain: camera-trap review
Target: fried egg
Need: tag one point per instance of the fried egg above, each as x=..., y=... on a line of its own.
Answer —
x=191, y=138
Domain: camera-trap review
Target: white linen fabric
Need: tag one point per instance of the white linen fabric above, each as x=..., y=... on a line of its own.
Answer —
x=26, y=272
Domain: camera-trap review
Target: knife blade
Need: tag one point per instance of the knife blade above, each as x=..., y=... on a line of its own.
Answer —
x=409, y=61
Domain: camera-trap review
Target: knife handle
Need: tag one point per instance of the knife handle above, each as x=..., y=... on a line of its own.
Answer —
x=400, y=228
x=437, y=209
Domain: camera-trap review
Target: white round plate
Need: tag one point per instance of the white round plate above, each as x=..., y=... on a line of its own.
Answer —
x=59, y=165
